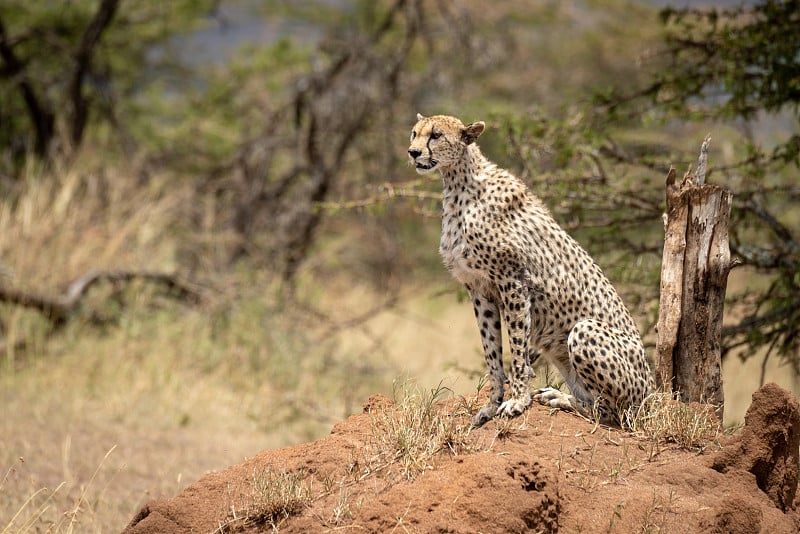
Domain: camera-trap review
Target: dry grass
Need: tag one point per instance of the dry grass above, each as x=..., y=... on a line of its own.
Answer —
x=33, y=513
x=405, y=440
x=65, y=221
x=163, y=378
x=417, y=429
x=662, y=420
x=273, y=496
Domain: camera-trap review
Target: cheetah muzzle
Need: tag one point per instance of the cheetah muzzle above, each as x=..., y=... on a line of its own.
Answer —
x=523, y=270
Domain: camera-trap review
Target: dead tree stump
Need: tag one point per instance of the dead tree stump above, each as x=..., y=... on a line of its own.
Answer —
x=694, y=274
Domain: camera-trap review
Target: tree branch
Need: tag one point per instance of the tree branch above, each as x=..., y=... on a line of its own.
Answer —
x=780, y=230
x=59, y=309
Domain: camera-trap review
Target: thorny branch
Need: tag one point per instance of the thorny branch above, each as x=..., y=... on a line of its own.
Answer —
x=387, y=191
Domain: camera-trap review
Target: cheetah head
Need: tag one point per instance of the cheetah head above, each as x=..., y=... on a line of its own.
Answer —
x=439, y=141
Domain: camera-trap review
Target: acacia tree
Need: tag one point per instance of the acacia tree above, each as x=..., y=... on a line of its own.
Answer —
x=66, y=65
x=715, y=68
x=305, y=126
x=743, y=63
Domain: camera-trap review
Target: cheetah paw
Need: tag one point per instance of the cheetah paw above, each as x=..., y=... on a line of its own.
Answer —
x=484, y=415
x=514, y=406
x=553, y=398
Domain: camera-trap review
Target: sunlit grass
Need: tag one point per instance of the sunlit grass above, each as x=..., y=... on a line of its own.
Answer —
x=664, y=421
x=158, y=377
x=271, y=497
x=418, y=428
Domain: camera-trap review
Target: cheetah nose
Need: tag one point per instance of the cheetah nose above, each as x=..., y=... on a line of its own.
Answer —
x=414, y=153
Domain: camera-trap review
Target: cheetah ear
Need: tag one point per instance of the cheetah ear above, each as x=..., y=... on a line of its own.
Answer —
x=471, y=132
x=420, y=116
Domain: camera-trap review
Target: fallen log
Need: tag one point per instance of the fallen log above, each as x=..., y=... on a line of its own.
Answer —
x=59, y=309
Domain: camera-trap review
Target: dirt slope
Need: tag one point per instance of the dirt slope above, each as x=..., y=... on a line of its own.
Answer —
x=543, y=473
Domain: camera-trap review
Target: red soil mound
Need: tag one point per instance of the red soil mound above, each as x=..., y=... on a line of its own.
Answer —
x=769, y=445
x=541, y=472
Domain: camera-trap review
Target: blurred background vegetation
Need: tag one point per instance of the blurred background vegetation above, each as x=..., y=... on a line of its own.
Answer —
x=231, y=175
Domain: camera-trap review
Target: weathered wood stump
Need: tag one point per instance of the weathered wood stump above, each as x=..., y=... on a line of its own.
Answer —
x=694, y=274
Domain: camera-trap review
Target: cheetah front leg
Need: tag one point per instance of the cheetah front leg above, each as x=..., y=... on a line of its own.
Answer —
x=488, y=316
x=515, y=296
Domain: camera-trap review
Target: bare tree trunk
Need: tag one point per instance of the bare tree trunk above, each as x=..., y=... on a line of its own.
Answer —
x=694, y=274
x=83, y=60
x=41, y=116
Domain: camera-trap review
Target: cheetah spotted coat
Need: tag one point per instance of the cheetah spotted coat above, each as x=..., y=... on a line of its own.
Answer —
x=522, y=269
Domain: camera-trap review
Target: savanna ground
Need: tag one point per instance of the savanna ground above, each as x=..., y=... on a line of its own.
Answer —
x=101, y=418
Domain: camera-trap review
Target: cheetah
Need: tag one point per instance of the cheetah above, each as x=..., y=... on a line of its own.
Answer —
x=520, y=267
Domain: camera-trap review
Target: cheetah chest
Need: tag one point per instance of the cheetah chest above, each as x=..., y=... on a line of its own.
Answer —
x=457, y=258
x=457, y=255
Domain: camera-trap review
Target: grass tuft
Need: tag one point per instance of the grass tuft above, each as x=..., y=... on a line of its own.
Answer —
x=419, y=428
x=274, y=496
x=661, y=419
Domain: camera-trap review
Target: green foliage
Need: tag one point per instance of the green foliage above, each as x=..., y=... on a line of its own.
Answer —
x=742, y=64
x=54, y=65
x=734, y=67
x=741, y=61
x=205, y=125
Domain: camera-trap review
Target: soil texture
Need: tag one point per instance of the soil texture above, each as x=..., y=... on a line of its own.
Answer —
x=542, y=472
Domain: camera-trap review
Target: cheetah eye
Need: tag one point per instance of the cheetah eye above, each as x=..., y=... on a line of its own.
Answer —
x=413, y=134
x=436, y=135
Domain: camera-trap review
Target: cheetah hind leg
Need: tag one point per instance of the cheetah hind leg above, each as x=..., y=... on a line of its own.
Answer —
x=557, y=399
x=607, y=375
